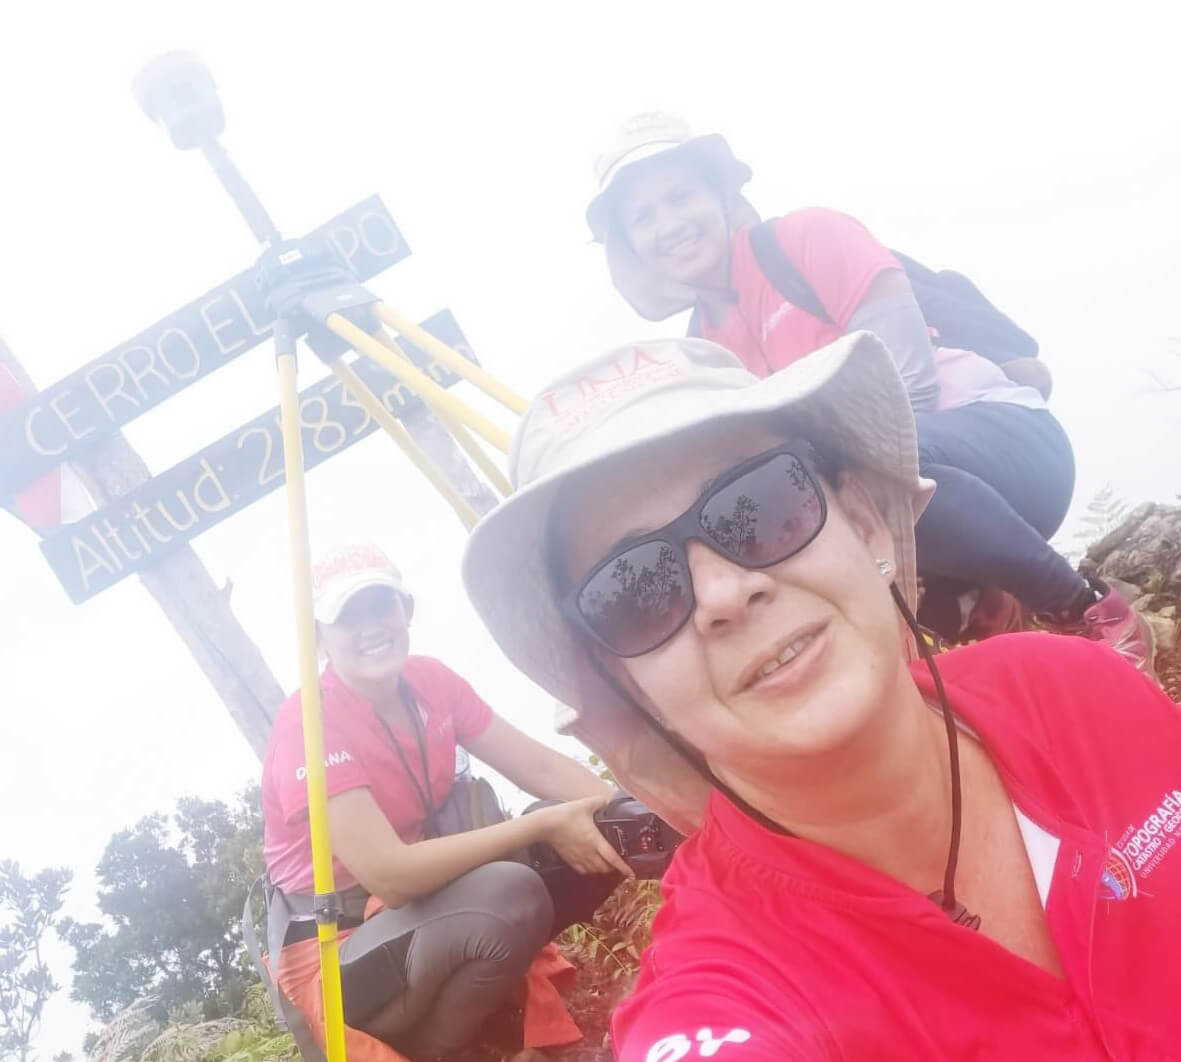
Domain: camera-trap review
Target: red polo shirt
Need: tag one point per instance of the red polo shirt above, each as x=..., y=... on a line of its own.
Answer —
x=838, y=257
x=358, y=754
x=772, y=948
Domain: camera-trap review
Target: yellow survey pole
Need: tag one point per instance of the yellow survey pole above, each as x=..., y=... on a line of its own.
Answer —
x=450, y=357
x=458, y=432
x=417, y=381
x=372, y=405
x=309, y=685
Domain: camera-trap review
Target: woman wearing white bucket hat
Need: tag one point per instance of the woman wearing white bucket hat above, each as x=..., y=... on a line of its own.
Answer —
x=708, y=564
x=678, y=234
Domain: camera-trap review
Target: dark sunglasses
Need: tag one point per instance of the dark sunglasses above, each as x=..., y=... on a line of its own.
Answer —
x=374, y=603
x=758, y=514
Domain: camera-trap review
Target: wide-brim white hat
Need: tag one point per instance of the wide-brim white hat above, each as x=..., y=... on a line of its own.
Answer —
x=846, y=398
x=641, y=139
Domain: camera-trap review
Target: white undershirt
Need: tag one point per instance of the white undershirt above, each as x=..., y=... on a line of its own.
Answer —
x=1042, y=849
x=966, y=377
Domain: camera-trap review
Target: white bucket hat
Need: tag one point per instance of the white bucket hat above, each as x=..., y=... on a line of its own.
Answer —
x=846, y=398
x=643, y=137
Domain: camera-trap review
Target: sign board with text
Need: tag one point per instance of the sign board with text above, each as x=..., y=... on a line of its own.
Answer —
x=76, y=414
x=139, y=528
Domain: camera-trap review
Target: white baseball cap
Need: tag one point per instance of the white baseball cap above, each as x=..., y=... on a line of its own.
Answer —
x=348, y=569
x=847, y=399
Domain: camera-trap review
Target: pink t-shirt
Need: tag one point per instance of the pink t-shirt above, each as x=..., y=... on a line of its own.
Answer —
x=838, y=257
x=772, y=948
x=358, y=754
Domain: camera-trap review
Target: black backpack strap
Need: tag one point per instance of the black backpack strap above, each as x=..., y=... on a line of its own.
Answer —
x=286, y=1014
x=963, y=316
x=782, y=272
x=950, y=303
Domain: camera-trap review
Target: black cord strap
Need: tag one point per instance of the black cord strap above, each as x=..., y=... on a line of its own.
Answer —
x=425, y=796
x=944, y=898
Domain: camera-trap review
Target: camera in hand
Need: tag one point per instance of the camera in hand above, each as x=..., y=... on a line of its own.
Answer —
x=644, y=840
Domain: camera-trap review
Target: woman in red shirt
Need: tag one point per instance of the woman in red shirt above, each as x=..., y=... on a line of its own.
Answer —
x=462, y=920
x=974, y=860
x=677, y=233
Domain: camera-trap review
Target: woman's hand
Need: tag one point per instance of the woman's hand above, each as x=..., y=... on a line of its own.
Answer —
x=570, y=828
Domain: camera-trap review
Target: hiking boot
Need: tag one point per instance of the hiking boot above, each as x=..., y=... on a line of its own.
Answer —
x=995, y=612
x=1113, y=621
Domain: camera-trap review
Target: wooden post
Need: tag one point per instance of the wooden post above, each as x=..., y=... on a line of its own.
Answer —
x=197, y=608
x=442, y=448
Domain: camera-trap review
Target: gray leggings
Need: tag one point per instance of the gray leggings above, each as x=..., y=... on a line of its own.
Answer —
x=424, y=976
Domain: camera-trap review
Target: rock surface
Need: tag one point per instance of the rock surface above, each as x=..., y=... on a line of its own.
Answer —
x=1144, y=553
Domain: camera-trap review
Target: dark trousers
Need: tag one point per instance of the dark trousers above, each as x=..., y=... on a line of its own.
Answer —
x=1005, y=476
x=424, y=976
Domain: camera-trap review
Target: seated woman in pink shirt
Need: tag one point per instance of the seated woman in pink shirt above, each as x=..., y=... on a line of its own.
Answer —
x=440, y=921
x=678, y=234
x=973, y=859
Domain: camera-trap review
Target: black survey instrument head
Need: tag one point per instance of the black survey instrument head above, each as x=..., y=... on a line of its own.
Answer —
x=177, y=91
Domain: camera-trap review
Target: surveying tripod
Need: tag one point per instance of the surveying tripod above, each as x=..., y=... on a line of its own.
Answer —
x=311, y=291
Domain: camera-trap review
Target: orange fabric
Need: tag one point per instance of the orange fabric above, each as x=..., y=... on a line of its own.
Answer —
x=299, y=978
x=547, y=1021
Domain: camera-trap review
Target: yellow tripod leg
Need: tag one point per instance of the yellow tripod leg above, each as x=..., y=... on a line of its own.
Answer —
x=450, y=357
x=309, y=678
x=417, y=381
x=458, y=432
x=372, y=405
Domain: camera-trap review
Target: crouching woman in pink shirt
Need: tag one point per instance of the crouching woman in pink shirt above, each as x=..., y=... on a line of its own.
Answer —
x=974, y=857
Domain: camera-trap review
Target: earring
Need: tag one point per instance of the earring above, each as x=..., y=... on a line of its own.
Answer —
x=885, y=568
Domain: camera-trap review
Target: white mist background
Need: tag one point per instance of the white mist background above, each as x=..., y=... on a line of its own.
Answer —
x=1034, y=147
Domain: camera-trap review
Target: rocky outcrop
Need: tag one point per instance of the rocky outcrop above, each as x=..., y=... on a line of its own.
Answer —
x=1142, y=556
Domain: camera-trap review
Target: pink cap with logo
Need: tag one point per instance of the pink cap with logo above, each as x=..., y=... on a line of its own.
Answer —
x=346, y=570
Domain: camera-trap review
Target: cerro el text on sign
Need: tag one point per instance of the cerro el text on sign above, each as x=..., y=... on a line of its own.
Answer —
x=141, y=527
x=77, y=413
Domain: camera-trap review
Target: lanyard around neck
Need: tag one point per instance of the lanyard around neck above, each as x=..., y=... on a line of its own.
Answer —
x=425, y=796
